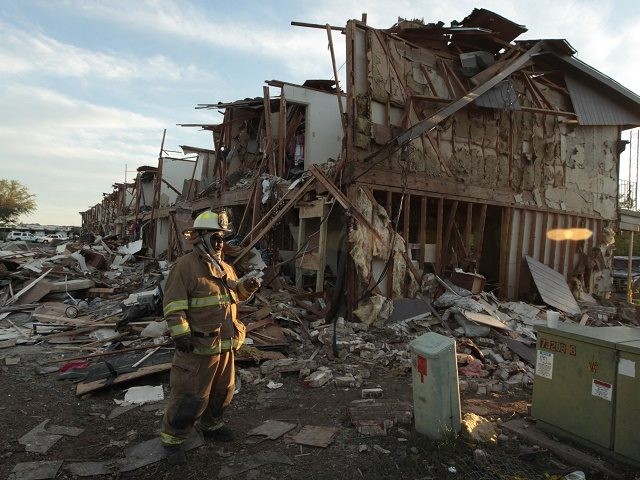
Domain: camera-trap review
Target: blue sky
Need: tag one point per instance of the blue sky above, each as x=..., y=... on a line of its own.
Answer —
x=87, y=87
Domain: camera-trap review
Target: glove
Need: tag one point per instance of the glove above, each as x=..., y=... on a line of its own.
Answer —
x=183, y=343
x=251, y=284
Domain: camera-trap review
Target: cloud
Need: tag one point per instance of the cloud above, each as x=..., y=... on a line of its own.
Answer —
x=68, y=151
x=25, y=52
x=298, y=49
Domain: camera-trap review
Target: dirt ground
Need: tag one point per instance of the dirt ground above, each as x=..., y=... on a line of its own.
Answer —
x=30, y=398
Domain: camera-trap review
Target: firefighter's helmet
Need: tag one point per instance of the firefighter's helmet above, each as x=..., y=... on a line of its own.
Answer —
x=211, y=221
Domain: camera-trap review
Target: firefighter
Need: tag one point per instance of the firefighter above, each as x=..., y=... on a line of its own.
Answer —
x=200, y=306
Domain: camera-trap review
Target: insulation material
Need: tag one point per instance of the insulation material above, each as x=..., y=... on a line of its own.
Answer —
x=375, y=310
x=365, y=247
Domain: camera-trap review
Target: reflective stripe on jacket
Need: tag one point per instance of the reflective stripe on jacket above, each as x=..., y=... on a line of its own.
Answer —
x=199, y=297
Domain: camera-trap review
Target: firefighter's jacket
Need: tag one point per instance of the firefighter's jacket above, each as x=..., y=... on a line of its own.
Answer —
x=201, y=300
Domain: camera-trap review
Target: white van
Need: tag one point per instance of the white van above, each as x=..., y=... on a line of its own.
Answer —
x=18, y=235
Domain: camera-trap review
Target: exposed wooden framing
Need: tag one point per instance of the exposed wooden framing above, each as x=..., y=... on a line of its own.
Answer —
x=389, y=205
x=480, y=233
x=406, y=211
x=422, y=232
x=543, y=236
x=521, y=225
x=302, y=234
x=553, y=244
x=336, y=78
x=505, y=250
x=282, y=135
x=226, y=141
x=247, y=207
x=448, y=231
x=440, y=221
x=572, y=249
x=534, y=87
x=341, y=199
x=563, y=247
x=257, y=207
x=531, y=250
x=534, y=95
x=271, y=163
x=468, y=227
x=351, y=88
x=448, y=110
x=170, y=186
x=405, y=256
x=447, y=81
x=453, y=75
x=558, y=113
x=443, y=164
x=322, y=247
x=432, y=87
x=430, y=98
x=279, y=210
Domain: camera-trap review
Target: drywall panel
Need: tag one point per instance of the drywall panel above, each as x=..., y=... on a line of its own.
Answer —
x=175, y=171
x=162, y=235
x=323, y=139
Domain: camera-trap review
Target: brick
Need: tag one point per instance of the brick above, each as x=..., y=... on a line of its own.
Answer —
x=372, y=393
x=318, y=378
x=347, y=380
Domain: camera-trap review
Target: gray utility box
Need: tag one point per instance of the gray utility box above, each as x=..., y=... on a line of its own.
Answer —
x=587, y=388
x=436, y=393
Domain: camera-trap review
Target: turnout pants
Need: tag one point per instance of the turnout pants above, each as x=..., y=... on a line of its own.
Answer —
x=201, y=388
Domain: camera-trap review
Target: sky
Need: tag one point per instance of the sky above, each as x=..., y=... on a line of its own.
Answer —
x=88, y=87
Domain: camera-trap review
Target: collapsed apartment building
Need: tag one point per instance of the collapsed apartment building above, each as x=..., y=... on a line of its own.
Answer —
x=443, y=149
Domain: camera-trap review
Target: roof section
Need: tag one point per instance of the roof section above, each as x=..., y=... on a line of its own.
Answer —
x=502, y=28
x=595, y=107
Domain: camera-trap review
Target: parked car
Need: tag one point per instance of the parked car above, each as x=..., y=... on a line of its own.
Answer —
x=620, y=272
x=18, y=235
x=53, y=237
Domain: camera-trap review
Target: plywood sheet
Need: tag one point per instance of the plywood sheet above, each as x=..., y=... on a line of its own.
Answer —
x=553, y=287
x=315, y=436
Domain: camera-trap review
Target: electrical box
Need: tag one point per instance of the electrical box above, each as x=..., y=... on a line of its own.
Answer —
x=436, y=393
x=578, y=391
x=627, y=422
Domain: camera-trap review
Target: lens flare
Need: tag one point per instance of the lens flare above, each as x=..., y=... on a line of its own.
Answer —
x=573, y=234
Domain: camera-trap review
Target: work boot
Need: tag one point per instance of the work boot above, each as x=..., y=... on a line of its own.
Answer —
x=175, y=455
x=220, y=434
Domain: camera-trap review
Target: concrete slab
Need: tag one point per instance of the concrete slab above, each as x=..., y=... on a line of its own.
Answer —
x=533, y=434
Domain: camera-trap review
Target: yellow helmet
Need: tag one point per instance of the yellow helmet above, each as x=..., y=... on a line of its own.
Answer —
x=212, y=221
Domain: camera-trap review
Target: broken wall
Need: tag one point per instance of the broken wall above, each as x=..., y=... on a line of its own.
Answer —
x=175, y=171
x=559, y=164
x=323, y=137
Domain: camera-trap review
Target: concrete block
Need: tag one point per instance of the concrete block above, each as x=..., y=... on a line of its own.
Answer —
x=347, y=381
x=318, y=378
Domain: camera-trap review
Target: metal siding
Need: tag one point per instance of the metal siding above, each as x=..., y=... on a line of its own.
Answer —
x=595, y=108
x=502, y=96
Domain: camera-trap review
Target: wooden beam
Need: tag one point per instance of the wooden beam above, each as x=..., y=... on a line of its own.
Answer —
x=279, y=210
x=505, y=250
x=406, y=212
x=572, y=250
x=531, y=250
x=449, y=229
x=563, y=247
x=543, y=236
x=342, y=199
x=282, y=135
x=553, y=244
x=422, y=232
x=468, y=227
x=266, y=102
x=439, y=224
x=521, y=225
x=480, y=233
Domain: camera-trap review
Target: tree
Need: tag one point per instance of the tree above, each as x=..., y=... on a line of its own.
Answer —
x=15, y=200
